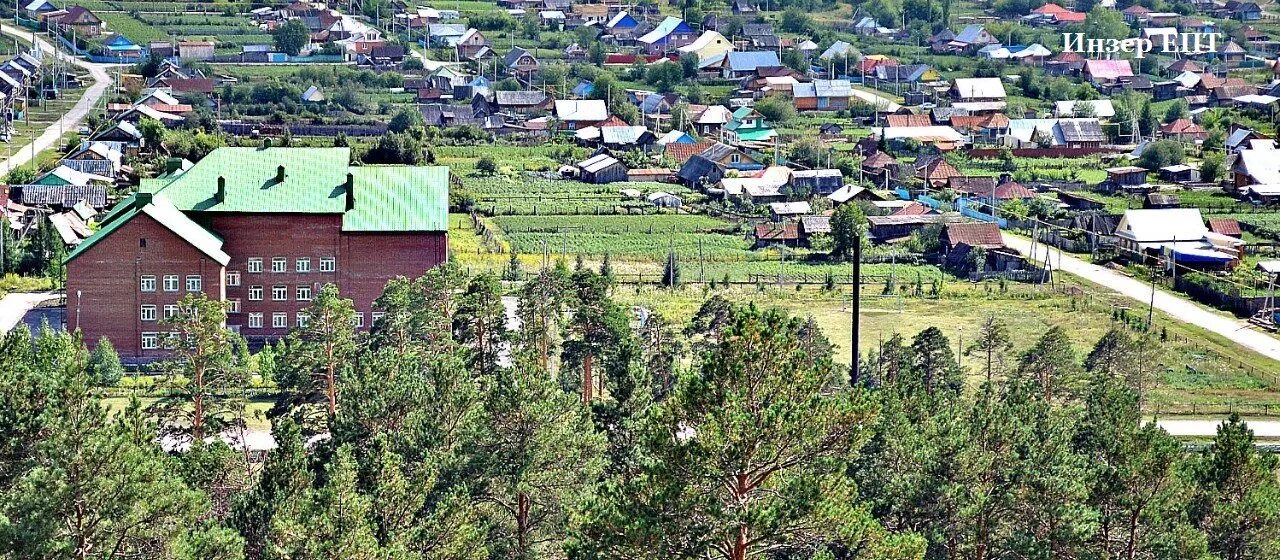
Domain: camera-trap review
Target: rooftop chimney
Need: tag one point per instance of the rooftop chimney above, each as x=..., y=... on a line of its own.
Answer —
x=280, y=174
x=221, y=195
x=266, y=142
x=351, y=191
x=141, y=199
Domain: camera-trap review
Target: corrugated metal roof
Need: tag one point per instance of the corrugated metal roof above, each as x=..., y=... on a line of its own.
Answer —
x=749, y=61
x=314, y=181
x=166, y=214
x=399, y=198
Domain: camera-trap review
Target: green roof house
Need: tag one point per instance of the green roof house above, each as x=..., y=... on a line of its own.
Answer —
x=261, y=229
x=747, y=125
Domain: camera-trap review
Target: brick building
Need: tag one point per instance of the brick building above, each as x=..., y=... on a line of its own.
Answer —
x=262, y=229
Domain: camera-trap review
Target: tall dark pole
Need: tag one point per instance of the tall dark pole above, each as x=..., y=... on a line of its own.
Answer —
x=854, y=374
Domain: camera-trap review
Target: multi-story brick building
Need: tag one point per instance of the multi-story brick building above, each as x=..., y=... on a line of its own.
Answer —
x=262, y=229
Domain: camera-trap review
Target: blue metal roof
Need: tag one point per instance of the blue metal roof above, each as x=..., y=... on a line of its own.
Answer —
x=749, y=61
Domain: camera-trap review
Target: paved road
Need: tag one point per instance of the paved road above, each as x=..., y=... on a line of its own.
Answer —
x=1183, y=310
x=14, y=306
x=1269, y=429
x=69, y=121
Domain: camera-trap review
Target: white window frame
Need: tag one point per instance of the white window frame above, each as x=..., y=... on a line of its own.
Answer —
x=301, y=318
x=171, y=282
x=254, y=265
x=233, y=278
x=255, y=320
x=303, y=292
x=147, y=312
x=170, y=310
x=279, y=320
x=147, y=283
x=279, y=292
x=150, y=341
x=255, y=293
x=377, y=315
x=302, y=265
x=233, y=305
x=359, y=320
x=195, y=283
x=328, y=264
x=279, y=265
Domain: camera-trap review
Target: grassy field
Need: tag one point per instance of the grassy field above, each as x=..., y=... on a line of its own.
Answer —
x=133, y=28
x=1196, y=366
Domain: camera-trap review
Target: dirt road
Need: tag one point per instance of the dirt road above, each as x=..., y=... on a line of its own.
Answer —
x=69, y=121
x=1233, y=329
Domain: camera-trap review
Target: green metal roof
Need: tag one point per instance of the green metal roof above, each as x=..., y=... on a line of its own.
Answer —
x=315, y=181
x=755, y=134
x=399, y=198
x=166, y=214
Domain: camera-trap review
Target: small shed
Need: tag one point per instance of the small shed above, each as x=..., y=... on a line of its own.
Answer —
x=787, y=234
x=1128, y=175
x=817, y=181
x=602, y=168
x=784, y=210
x=815, y=225
x=665, y=200
x=1181, y=173
x=1157, y=200
x=313, y=95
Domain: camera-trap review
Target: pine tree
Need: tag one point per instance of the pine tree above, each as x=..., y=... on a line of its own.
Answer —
x=1052, y=364
x=1237, y=499
x=318, y=353
x=480, y=325
x=512, y=273
x=203, y=376
x=104, y=364
x=98, y=487
x=606, y=268
x=935, y=363
x=671, y=271
x=992, y=345
x=543, y=454
x=722, y=483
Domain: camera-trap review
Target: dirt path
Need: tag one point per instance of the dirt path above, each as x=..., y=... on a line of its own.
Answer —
x=69, y=121
x=1233, y=329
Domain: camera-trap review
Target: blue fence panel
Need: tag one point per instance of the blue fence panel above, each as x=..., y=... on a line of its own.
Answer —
x=904, y=194
x=963, y=205
x=929, y=201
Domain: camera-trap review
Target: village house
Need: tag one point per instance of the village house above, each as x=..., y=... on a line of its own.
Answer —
x=960, y=239
x=822, y=95
x=574, y=114
x=520, y=63
x=1178, y=235
x=79, y=19
x=1105, y=73
x=1184, y=130
x=471, y=42
x=670, y=34
x=747, y=125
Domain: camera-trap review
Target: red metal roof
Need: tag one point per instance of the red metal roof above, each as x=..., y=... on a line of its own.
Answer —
x=1224, y=226
x=979, y=234
x=778, y=232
